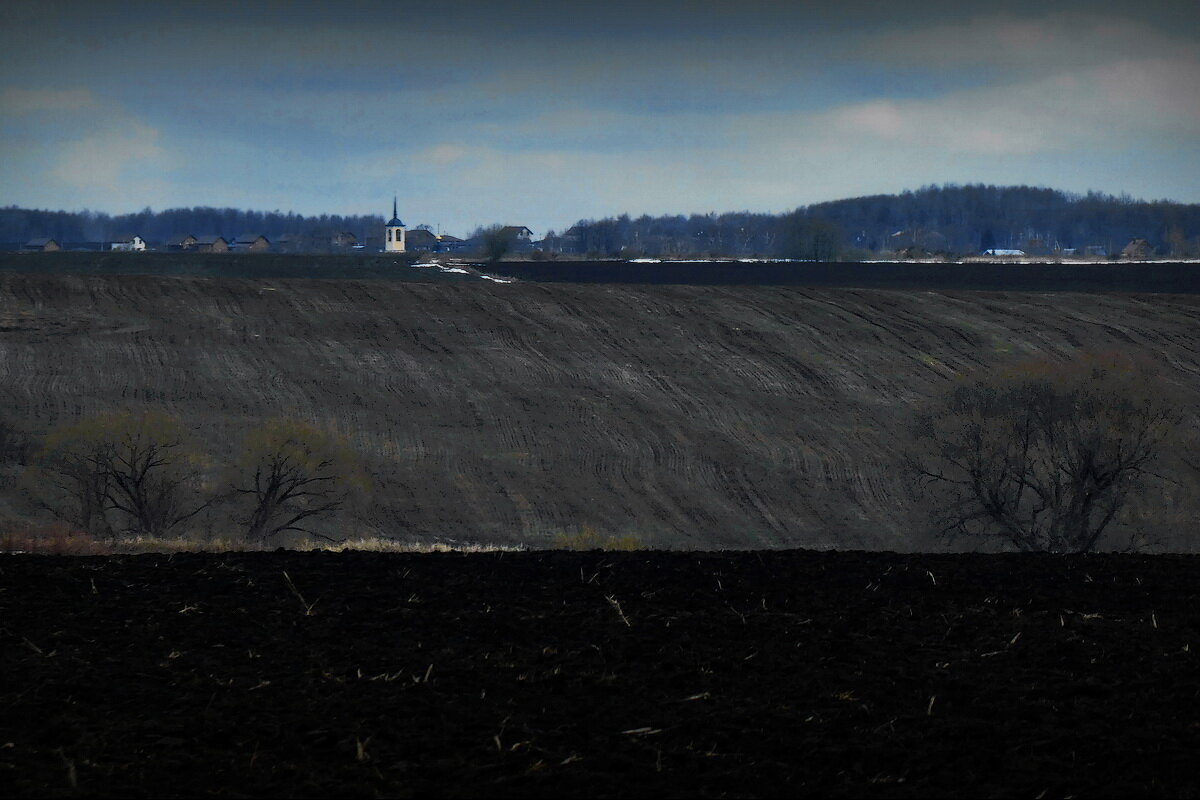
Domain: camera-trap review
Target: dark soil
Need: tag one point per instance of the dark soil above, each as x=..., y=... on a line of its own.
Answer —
x=1153, y=277
x=599, y=674
x=1177, y=277
x=689, y=417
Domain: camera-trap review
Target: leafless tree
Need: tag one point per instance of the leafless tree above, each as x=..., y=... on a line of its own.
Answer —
x=139, y=468
x=1043, y=456
x=497, y=241
x=292, y=473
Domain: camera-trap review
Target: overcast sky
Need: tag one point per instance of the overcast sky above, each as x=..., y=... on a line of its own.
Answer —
x=543, y=114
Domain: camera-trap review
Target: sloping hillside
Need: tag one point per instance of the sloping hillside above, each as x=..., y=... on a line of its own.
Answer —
x=687, y=416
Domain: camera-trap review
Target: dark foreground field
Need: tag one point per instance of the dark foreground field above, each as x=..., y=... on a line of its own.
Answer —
x=599, y=674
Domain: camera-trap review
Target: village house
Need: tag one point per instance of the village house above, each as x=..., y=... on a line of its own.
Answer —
x=518, y=233
x=211, y=244
x=1137, y=250
x=519, y=237
x=344, y=239
x=252, y=243
x=181, y=243
x=128, y=243
x=449, y=244
x=569, y=241
x=43, y=245
x=421, y=239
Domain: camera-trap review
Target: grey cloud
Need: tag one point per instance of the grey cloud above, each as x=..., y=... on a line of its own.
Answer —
x=589, y=108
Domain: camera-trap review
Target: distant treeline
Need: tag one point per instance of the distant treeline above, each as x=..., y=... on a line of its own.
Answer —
x=158, y=227
x=934, y=219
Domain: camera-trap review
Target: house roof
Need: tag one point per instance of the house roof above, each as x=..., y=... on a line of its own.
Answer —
x=516, y=229
x=180, y=239
x=209, y=239
x=126, y=237
x=250, y=238
x=40, y=242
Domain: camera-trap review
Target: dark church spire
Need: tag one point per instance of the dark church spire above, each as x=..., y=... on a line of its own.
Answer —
x=395, y=220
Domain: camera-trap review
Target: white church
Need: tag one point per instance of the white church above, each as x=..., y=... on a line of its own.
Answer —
x=393, y=237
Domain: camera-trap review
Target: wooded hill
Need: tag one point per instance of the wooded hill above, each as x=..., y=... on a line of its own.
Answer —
x=939, y=219
x=1036, y=220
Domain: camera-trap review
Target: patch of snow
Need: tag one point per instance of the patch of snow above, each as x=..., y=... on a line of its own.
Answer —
x=453, y=269
x=496, y=280
x=646, y=261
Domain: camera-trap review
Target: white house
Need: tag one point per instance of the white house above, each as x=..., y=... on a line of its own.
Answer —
x=128, y=243
x=518, y=233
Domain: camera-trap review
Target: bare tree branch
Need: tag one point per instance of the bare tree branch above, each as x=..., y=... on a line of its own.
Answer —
x=1045, y=455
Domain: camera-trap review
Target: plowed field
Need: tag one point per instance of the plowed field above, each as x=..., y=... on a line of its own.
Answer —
x=769, y=674
x=686, y=416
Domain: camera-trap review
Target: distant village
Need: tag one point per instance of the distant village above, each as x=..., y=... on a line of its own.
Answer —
x=392, y=237
x=417, y=240
x=518, y=239
x=952, y=223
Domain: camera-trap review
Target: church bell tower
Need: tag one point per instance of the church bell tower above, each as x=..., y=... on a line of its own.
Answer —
x=393, y=236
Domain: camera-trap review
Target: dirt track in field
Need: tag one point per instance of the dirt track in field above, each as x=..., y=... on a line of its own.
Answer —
x=599, y=675
x=686, y=416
